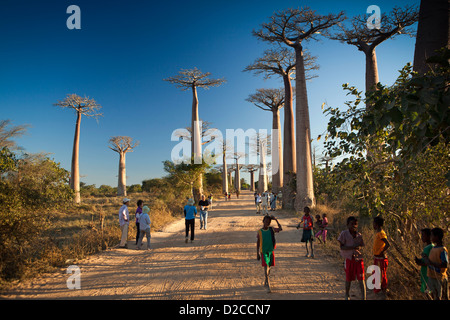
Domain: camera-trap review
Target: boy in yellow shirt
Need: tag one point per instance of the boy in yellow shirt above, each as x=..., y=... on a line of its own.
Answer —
x=380, y=245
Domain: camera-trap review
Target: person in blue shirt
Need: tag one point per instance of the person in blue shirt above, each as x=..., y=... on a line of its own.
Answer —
x=190, y=211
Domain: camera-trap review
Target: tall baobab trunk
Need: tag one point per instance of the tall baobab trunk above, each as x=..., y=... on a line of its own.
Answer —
x=262, y=181
x=122, y=183
x=196, y=144
x=277, y=153
x=224, y=174
x=252, y=180
x=75, y=172
x=433, y=32
x=289, y=150
x=305, y=186
x=237, y=177
x=371, y=69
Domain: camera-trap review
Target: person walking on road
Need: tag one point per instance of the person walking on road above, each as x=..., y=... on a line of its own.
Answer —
x=204, y=205
x=265, y=245
x=190, y=211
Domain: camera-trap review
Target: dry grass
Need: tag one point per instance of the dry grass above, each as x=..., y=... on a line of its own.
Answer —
x=80, y=231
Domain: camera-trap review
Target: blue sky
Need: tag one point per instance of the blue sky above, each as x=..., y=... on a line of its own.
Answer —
x=123, y=52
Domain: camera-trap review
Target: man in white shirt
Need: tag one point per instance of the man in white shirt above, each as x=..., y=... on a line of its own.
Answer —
x=124, y=217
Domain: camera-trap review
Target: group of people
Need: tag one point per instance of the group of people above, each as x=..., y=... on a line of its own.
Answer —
x=434, y=260
x=264, y=201
x=142, y=220
x=190, y=212
x=321, y=225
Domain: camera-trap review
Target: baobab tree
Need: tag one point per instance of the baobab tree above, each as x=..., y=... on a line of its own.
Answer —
x=8, y=132
x=252, y=168
x=260, y=142
x=122, y=145
x=237, y=172
x=433, y=32
x=292, y=27
x=83, y=107
x=272, y=100
x=280, y=62
x=398, y=21
x=191, y=79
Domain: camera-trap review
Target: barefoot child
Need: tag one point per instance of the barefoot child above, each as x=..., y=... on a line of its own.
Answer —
x=380, y=245
x=307, y=236
x=265, y=245
x=351, y=241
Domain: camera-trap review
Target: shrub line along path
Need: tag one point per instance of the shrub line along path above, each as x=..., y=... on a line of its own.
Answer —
x=220, y=264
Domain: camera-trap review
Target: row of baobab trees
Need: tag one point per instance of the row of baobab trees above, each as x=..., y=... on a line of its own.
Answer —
x=288, y=31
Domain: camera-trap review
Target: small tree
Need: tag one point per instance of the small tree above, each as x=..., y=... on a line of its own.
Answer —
x=6, y=134
x=83, y=107
x=122, y=145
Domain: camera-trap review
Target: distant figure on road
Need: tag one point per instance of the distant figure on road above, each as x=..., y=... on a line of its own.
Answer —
x=204, y=206
x=265, y=202
x=265, y=245
x=273, y=202
x=210, y=199
x=258, y=203
x=124, y=217
x=307, y=224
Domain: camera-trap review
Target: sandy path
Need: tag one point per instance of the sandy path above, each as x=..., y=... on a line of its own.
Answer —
x=220, y=264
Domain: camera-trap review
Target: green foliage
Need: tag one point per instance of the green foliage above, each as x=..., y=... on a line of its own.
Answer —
x=31, y=188
x=183, y=175
x=394, y=149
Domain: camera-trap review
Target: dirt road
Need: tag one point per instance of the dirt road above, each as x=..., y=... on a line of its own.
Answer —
x=220, y=264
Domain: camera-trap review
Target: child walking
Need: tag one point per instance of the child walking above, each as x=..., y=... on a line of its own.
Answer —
x=437, y=263
x=351, y=241
x=318, y=227
x=380, y=246
x=307, y=236
x=265, y=245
